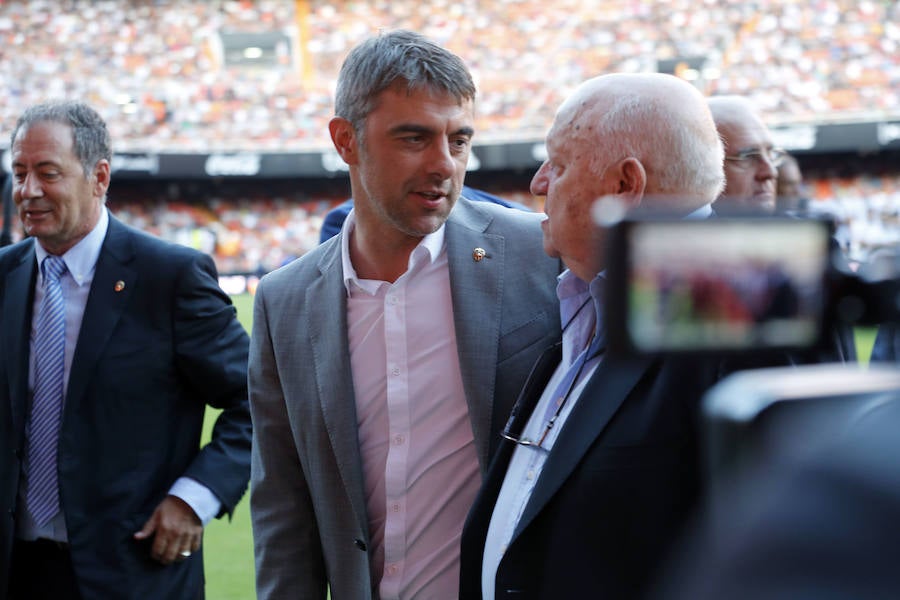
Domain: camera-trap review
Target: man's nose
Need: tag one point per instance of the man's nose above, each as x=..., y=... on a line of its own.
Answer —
x=440, y=161
x=30, y=186
x=539, y=181
x=766, y=167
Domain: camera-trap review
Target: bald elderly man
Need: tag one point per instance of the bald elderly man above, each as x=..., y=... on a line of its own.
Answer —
x=751, y=158
x=589, y=506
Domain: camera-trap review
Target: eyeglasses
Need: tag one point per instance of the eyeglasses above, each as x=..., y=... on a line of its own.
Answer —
x=560, y=404
x=748, y=158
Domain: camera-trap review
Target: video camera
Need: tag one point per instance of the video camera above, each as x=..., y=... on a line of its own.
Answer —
x=736, y=285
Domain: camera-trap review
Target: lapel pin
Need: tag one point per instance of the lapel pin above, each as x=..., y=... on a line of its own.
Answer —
x=120, y=285
x=478, y=254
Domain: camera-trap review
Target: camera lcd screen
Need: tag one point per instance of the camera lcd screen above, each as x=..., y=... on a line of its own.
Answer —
x=724, y=284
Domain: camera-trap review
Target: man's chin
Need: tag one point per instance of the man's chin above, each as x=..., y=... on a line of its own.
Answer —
x=549, y=249
x=427, y=225
x=764, y=202
x=747, y=206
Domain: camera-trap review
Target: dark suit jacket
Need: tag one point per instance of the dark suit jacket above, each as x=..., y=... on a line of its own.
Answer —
x=887, y=343
x=149, y=358
x=615, y=490
x=619, y=485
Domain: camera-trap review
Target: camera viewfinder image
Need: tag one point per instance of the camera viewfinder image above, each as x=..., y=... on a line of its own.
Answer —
x=726, y=284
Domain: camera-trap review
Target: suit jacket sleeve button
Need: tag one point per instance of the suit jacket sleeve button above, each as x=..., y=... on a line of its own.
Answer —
x=360, y=544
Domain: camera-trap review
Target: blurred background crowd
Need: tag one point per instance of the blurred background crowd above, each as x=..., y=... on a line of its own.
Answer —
x=176, y=77
x=157, y=70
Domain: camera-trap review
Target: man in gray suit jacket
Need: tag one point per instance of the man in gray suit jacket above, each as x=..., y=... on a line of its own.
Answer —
x=384, y=363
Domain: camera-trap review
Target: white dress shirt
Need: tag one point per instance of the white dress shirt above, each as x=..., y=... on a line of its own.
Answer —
x=81, y=262
x=580, y=312
x=420, y=464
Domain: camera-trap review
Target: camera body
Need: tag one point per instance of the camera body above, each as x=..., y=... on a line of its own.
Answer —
x=745, y=285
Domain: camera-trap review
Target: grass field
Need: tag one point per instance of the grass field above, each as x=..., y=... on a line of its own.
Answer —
x=228, y=547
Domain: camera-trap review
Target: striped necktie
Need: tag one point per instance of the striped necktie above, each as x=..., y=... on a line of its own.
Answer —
x=42, y=490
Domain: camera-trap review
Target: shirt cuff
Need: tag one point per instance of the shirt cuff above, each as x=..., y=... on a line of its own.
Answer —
x=198, y=497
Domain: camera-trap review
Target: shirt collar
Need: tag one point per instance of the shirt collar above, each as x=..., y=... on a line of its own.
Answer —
x=81, y=258
x=430, y=246
x=704, y=212
x=573, y=291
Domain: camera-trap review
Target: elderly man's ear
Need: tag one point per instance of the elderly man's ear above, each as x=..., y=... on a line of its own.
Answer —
x=631, y=180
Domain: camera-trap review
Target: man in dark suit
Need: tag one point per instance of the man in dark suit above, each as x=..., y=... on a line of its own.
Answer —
x=112, y=344
x=596, y=480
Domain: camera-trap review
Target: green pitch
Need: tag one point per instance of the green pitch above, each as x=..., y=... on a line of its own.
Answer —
x=228, y=546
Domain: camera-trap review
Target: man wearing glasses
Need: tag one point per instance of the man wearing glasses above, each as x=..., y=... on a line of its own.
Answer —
x=751, y=159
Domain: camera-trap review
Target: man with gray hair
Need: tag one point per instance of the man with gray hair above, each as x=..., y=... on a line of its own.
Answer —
x=384, y=362
x=751, y=158
x=112, y=344
x=600, y=466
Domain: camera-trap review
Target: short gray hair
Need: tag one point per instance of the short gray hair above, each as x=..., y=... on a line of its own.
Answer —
x=90, y=137
x=673, y=148
x=397, y=57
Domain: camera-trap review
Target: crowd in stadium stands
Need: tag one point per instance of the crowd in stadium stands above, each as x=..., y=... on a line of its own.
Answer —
x=244, y=235
x=157, y=72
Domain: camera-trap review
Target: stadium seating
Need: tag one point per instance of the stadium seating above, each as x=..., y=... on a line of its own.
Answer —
x=158, y=73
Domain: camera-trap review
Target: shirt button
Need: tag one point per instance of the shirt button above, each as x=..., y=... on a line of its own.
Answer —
x=399, y=439
x=395, y=507
x=395, y=371
x=392, y=569
x=530, y=474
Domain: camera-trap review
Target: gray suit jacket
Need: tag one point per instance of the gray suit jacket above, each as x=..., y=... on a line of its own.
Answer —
x=307, y=497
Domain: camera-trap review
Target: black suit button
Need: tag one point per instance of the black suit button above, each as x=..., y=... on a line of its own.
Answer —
x=360, y=544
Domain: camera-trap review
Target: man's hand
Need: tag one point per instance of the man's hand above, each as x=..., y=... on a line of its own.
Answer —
x=176, y=529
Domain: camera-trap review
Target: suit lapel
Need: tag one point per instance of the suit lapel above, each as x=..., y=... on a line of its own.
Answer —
x=19, y=292
x=333, y=373
x=602, y=396
x=482, y=511
x=476, y=293
x=106, y=302
x=533, y=389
